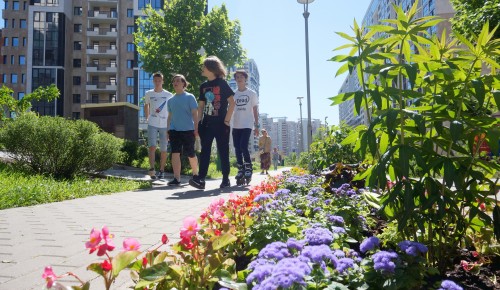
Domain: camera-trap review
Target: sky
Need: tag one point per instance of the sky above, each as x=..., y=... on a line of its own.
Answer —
x=273, y=34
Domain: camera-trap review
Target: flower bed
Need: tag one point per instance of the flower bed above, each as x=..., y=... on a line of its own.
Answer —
x=287, y=233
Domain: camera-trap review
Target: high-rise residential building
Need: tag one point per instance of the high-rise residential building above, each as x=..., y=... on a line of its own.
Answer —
x=377, y=11
x=86, y=48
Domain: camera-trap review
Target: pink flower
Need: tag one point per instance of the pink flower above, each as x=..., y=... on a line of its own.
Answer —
x=144, y=261
x=190, y=228
x=164, y=239
x=108, y=243
x=186, y=242
x=95, y=239
x=106, y=266
x=49, y=276
x=131, y=244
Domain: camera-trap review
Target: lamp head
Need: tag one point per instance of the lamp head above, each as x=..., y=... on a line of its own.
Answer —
x=305, y=1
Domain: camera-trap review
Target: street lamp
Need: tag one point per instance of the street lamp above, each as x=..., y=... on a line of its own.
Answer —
x=301, y=139
x=309, y=125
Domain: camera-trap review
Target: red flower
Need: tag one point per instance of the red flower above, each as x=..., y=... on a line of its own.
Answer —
x=164, y=239
x=144, y=261
x=217, y=232
x=106, y=266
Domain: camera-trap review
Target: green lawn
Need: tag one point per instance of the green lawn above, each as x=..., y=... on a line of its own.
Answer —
x=19, y=189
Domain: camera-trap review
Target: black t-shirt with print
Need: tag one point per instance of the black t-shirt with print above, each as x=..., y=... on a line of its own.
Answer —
x=215, y=94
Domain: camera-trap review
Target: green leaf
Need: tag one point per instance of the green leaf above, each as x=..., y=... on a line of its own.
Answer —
x=224, y=240
x=456, y=130
x=496, y=96
x=96, y=267
x=411, y=71
x=155, y=272
x=122, y=259
x=479, y=91
x=86, y=286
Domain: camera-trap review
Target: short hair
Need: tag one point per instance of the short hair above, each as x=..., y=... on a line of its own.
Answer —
x=183, y=79
x=215, y=65
x=158, y=75
x=242, y=72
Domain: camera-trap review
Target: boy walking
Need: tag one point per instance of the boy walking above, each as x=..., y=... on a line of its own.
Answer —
x=155, y=109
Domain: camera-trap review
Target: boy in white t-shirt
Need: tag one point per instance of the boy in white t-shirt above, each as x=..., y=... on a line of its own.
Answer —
x=155, y=109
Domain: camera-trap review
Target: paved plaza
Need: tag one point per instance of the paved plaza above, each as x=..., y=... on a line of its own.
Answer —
x=55, y=234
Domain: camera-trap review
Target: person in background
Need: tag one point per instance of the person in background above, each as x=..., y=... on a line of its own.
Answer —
x=265, y=143
x=276, y=158
x=182, y=127
x=155, y=109
x=245, y=118
x=215, y=108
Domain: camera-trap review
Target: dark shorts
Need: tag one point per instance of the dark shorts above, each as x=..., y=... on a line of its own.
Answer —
x=182, y=141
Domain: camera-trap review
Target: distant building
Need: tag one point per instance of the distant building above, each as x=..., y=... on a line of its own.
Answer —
x=86, y=48
x=377, y=11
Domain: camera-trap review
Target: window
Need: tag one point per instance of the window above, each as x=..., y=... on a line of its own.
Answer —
x=76, y=115
x=112, y=98
x=22, y=60
x=78, y=28
x=12, y=59
x=130, y=82
x=22, y=23
x=24, y=41
x=77, y=62
x=23, y=78
x=20, y=95
x=130, y=98
x=130, y=29
x=130, y=63
x=130, y=46
x=4, y=59
x=15, y=41
x=95, y=98
x=6, y=5
x=112, y=63
x=76, y=98
x=15, y=5
x=6, y=41
x=13, y=23
x=77, y=81
x=77, y=11
x=4, y=78
x=25, y=5
x=13, y=78
x=5, y=23
x=130, y=12
x=77, y=45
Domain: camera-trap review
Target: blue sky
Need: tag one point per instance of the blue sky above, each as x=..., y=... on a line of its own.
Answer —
x=273, y=35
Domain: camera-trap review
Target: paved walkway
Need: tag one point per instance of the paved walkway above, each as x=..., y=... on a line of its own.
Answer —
x=55, y=234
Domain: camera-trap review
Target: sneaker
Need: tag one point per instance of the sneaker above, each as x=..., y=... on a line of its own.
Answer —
x=197, y=182
x=225, y=183
x=174, y=182
x=160, y=175
x=152, y=173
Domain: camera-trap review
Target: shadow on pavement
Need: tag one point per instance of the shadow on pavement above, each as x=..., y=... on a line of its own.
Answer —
x=192, y=193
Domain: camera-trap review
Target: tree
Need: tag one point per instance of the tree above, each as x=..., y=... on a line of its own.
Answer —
x=170, y=40
x=471, y=15
x=10, y=104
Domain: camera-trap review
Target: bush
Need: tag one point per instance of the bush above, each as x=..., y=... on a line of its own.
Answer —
x=59, y=147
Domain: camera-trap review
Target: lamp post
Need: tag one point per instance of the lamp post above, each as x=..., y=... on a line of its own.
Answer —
x=301, y=139
x=309, y=125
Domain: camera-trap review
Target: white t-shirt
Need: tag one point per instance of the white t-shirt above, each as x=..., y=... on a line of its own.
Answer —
x=243, y=111
x=158, y=111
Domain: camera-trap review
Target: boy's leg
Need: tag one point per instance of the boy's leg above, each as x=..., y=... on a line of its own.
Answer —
x=176, y=165
x=222, y=139
x=152, y=138
x=163, y=148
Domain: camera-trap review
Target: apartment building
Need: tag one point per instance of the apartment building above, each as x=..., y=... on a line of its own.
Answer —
x=86, y=48
x=377, y=11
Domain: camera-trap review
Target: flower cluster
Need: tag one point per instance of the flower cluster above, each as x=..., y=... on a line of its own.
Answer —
x=449, y=285
x=412, y=248
x=383, y=261
x=96, y=237
x=318, y=236
x=369, y=244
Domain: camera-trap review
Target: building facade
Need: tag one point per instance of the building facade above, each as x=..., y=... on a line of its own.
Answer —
x=377, y=11
x=86, y=48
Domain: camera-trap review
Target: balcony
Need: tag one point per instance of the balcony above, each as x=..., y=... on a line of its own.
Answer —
x=101, y=68
x=102, y=50
x=101, y=86
x=102, y=16
x=102, y=33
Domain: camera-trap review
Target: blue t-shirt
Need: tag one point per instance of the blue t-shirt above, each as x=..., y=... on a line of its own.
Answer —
x=180, y=107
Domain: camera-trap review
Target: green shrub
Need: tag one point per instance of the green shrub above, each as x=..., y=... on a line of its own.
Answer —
x=59, y=147
x=130, y=150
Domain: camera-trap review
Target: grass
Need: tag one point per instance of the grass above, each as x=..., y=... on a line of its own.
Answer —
x=19, y=189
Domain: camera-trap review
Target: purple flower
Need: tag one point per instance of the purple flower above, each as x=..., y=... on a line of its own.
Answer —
x=369, y=244
x=288, y=272
x=335, y=219
x=318, y=253
x=275, y=250
x=449, y=285
x=338, y=230
x=383, y=261
x=294, y=244
x=344, y=264
x=315, y=190
x=339, y=254
x=318, y=236
x=259, y=262
x=412, y=248
x=262, y=197
x=316, y=209
x=327, y=201
x=260, y=273
x=281, y=192
x=354, y=255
